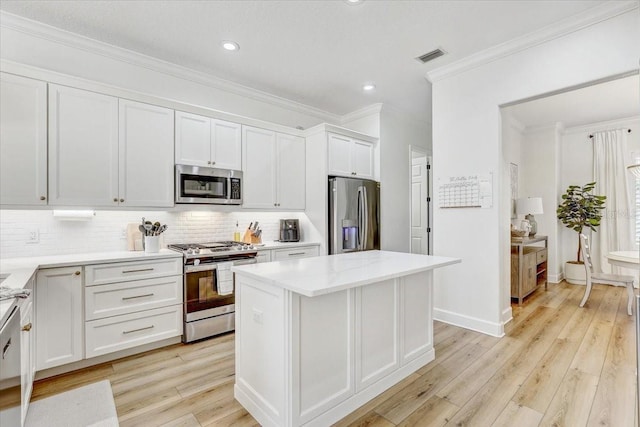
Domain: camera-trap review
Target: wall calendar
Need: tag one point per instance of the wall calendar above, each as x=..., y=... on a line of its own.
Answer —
x=466, y=191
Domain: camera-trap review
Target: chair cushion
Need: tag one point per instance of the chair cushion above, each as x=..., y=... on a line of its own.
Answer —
x=611, y=279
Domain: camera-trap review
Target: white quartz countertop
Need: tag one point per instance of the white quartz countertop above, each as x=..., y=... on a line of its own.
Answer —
x=325, y=274
x=284, y=245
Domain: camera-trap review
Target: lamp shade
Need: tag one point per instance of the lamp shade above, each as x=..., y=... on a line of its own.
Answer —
x=529, y=205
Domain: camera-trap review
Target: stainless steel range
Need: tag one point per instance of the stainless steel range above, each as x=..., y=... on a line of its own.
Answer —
x=209, y=294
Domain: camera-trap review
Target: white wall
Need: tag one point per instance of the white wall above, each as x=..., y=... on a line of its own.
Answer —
x=467, y=140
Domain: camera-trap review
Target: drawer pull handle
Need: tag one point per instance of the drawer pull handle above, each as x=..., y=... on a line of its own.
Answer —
x=296, y=253
x=77, y=273
x=137, y=271
x=27, y=327
x=137, y=330
x=137, y=296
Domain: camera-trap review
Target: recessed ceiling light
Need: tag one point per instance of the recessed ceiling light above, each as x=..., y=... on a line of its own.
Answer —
x=231, y=46
x=354, y=2
x=368, y=87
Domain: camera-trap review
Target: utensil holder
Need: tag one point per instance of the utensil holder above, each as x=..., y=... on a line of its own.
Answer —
x=152, y=244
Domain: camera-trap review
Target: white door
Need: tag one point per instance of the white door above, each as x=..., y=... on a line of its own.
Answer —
x=59, y=322
x=362, y=159
x=83, y=148
x=339, y=155
x=23, y=141
x=258, y=160
x=226, y=145
x=146, y=155
x=419, y=207
x=193, y=139
x=290, y=183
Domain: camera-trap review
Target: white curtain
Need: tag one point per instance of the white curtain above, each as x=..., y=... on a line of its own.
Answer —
x=610, y=174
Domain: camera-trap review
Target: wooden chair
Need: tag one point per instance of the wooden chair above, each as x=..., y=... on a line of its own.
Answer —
x=603, y=278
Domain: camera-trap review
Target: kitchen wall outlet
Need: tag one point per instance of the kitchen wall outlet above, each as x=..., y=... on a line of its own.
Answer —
x=123, y=233
x=258, y=316
x=33, y=235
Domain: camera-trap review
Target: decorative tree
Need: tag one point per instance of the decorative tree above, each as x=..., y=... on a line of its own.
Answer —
x=581, y=209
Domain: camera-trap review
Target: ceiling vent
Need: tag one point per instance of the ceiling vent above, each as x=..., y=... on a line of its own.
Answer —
x=430, y=56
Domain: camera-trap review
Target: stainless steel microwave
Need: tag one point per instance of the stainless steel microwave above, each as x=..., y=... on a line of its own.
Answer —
x=196, y=184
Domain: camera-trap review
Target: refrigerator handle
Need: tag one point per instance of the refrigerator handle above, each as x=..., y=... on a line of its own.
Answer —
x=365, y=218
x=360, y=217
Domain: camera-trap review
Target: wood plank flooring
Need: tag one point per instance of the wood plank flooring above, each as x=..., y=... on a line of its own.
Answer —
x=558, y=365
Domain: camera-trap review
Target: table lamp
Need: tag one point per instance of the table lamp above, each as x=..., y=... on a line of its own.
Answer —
x=530, y=206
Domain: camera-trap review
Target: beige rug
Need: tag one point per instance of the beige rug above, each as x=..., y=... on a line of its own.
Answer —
x=88, y=406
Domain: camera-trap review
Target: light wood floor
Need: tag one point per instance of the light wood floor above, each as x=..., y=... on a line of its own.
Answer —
x=558, y=365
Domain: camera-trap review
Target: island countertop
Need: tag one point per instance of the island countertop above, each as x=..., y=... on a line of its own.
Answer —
x=332, y=273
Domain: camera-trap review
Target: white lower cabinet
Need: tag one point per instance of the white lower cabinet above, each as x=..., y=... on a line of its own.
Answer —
x=263, y=256
x=130, y=330
x=27, y=348
x=299, y=252
x=128, y=304
x=59, y=322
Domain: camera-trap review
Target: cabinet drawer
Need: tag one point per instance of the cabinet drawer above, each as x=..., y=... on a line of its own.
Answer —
x=263, y=256
x=128, y=297
x=130, y=330
x=301, y=252
x=541, y=256
x=101, y=274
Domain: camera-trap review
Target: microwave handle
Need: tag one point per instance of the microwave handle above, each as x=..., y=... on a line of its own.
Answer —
x=228, y=192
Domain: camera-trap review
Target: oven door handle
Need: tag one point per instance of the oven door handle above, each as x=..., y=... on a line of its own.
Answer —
x=197, y=268
x=245, y=261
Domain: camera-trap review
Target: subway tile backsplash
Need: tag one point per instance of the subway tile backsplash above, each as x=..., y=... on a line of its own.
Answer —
x=105, y=231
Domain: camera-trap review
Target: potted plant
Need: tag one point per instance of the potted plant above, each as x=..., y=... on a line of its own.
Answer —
x=580, y=209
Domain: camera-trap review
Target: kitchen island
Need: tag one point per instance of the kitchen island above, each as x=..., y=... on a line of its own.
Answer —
x=316, y=338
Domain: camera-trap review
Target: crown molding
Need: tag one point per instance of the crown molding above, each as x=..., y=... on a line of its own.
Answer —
x=77, y=41
x=363, y=112
x=605, y=125
x=585, y=19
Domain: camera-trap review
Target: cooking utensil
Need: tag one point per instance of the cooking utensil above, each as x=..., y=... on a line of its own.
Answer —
x=255, y=226
x=142, y=229
x=148, y=226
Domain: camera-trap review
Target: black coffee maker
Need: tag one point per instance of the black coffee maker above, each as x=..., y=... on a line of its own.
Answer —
x=289, y=230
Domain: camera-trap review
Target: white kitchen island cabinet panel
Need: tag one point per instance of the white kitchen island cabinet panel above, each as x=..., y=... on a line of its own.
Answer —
x=23, y=141
x=59, y=322
x=83, y=148
x=145, y=155
x=318, y=337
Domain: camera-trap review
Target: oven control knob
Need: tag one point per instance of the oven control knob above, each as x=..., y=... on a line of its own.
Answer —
x=196, y=250
x=189, y=251
x=250, y=247
x=196, y=262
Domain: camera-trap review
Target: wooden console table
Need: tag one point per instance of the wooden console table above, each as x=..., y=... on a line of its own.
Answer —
x=528, y=265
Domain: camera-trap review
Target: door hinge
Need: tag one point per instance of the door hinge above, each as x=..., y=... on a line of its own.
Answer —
x=428, y=166
x=428, y=199
x=428, y=229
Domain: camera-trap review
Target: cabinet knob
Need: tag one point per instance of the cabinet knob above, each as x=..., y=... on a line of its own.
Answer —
x=43, y=198
x=121, y=200
x=208, y=162
x=115, y=199
x=27, y=327
x=77, y=273
x=213, y=163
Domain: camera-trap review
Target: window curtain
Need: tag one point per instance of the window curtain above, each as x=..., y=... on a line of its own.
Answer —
x=610, y=174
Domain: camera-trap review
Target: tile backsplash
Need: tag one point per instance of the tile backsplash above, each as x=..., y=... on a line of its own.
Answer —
x=105, y=231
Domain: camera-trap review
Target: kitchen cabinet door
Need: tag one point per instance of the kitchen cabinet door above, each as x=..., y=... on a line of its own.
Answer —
x=362, y=159
x=339, y=155
x=226, y=145
x=83, y=148
x=146, y=155
x=193, y=139
x=59, y=322
x=23, y=141
x=258, y=152
x=290, y=170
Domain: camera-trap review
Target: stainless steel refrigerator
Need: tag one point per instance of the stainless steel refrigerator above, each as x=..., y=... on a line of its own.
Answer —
x=354, y=215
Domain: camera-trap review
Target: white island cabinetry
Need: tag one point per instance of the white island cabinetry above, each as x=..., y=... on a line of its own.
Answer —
x=318, y=337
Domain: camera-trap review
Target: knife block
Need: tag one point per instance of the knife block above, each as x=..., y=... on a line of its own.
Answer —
x=249, y=237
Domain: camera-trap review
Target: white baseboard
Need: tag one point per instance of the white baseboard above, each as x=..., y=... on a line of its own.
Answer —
x=555, y=278
x=507, y=315
x=468, y=322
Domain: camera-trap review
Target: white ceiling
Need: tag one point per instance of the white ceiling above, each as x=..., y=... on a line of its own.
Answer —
x=318, y=53
x=611, y=100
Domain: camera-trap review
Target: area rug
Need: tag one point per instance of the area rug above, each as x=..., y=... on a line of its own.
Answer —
x=88, y=406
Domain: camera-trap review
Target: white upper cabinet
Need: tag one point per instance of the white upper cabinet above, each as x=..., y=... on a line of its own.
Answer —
x=290, y=182
x=202, y=141
x=105, y=151
x=146, y=155
x=258, y=158
x=350, y=157
x=23, y=141
x=274, y=169
x=83, y=148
